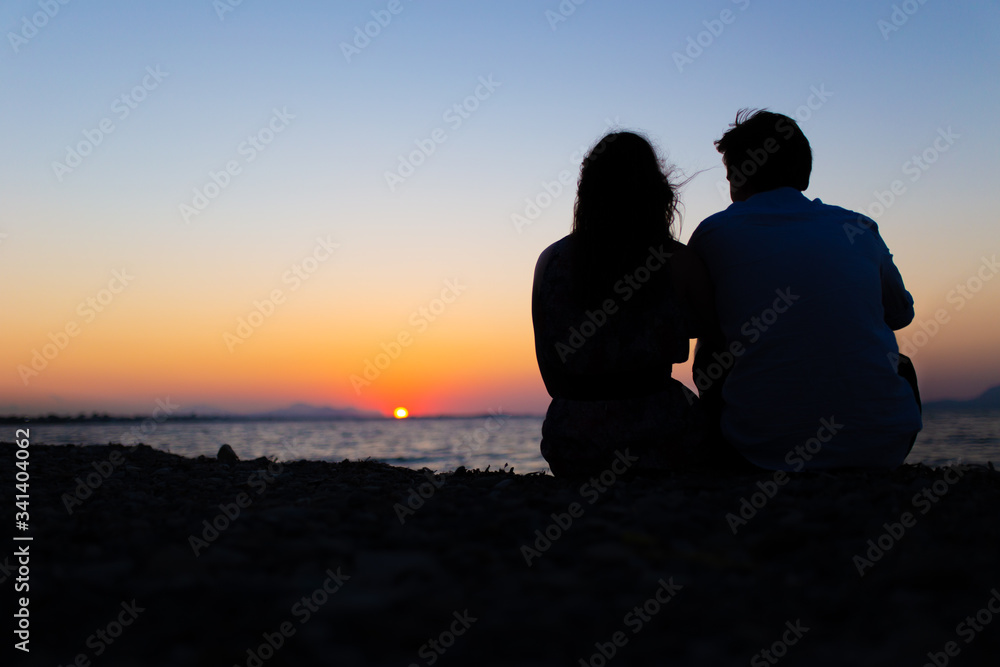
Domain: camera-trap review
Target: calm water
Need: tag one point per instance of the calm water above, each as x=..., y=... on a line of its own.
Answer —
x=444, y=444
x=438, y=444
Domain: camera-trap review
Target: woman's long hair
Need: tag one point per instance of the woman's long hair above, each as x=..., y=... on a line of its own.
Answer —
x=625, y=204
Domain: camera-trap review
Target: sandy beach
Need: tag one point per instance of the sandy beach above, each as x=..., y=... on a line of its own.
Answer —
x=141, y=557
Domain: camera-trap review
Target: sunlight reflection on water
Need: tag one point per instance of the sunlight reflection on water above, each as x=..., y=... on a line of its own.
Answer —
x=445, y=444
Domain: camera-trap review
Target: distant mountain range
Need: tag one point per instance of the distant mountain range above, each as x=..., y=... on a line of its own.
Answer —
x=985, y=401
x=296, y=412
x=306, y=411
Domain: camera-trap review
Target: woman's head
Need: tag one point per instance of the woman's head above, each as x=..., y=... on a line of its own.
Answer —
x=623, y=191
x=625, y=203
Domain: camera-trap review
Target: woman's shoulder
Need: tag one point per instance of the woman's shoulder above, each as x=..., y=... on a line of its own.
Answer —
x=556, y=248
x=550, y=254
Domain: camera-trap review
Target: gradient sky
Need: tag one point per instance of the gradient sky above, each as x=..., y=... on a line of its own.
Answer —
x=872, y=86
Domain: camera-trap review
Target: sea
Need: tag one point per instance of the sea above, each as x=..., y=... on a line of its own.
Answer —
x=443, y=444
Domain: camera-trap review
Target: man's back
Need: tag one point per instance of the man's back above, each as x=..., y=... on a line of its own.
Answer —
x=804, y=293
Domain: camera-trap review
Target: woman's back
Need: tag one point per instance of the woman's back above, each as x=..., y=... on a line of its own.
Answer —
x=608, y=343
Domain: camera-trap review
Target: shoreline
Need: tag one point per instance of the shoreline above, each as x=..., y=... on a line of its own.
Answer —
x=878, y=566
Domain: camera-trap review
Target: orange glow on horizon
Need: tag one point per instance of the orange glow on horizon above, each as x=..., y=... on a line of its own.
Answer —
x=401, y=413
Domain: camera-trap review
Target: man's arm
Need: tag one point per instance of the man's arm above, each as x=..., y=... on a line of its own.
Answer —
x=897, y=304
x=896, y=301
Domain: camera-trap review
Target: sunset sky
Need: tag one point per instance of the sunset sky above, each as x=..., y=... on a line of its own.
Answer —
x=168, y=170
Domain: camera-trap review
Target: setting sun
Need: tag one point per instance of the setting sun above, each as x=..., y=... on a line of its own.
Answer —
x=401, y=413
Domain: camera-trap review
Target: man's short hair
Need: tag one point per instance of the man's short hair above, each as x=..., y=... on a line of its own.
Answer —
x=765, y=150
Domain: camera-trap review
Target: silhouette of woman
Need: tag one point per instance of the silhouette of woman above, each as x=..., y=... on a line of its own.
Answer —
x=614, y=305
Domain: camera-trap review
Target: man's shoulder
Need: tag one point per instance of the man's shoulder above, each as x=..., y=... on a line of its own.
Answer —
x=833, y=209
x=782, y=202
x=712, y=223
x=857, y=226
x=723, y=217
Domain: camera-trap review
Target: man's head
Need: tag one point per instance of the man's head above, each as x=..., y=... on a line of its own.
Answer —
x=763, y=151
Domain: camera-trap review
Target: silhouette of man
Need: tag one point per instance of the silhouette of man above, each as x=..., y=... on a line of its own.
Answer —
x=810, y=375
